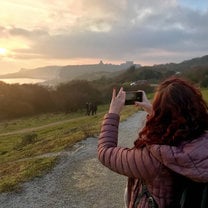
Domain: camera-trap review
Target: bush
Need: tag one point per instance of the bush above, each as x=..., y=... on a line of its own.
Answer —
x=27, y=139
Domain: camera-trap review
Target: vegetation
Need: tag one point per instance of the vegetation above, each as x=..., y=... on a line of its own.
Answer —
x=31, y=154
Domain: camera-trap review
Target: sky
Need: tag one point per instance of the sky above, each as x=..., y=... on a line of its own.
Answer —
x=50, y=32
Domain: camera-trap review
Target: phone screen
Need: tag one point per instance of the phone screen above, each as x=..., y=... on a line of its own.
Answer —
x=132, y=96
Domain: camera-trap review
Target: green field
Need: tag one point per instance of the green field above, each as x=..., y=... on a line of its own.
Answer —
x=24, y=141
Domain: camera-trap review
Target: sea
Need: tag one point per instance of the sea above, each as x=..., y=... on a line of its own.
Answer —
x=22, y=81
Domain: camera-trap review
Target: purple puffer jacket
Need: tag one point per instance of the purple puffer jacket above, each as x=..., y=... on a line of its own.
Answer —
x=155, y=165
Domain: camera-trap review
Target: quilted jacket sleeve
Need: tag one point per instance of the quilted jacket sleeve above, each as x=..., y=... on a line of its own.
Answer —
x=136, y=163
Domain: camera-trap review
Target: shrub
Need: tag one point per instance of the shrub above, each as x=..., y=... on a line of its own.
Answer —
x=27, y=139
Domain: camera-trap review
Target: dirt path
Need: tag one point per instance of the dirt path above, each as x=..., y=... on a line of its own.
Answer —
x=79, y=180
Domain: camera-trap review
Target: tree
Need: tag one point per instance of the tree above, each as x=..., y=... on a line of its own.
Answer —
x=75, y=94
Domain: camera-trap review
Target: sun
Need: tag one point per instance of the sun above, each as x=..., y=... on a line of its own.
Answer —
x=3, y=51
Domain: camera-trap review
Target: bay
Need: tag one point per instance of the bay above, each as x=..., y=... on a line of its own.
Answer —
x=22, y=81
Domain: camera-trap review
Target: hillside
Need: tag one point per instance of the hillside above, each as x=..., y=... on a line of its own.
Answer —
x=47, y=73
x=195, y=69
x=70, y=72
x=121, y=73
x=90, y=72
x=185, y=65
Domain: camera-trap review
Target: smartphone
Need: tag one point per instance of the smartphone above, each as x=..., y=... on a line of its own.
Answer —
x=132, y=96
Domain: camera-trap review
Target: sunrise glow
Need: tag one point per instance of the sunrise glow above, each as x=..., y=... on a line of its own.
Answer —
x=3, y=51
x=40, y=33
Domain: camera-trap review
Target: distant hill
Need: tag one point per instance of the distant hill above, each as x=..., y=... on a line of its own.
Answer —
x=91, y=72
x=58, y=74
x=185, y=65
x=195, y=69
x=122, y=72
x=46, y=73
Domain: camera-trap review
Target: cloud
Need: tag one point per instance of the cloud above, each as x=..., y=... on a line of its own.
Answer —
x=28, y=34
x=160, y=31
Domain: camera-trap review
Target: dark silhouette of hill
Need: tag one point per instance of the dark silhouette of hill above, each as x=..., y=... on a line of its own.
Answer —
x=89, y=72
x=185, y=65
x=47, y=72
x=125, y=72
x=70, y=72
x=195, y=69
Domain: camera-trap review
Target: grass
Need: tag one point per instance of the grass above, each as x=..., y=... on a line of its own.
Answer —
x=205, y=94
x=35, y=121
x=18, y=172
x=18, y=152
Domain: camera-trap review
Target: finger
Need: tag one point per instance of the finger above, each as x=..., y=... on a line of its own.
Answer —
x=114, y=93
x=144, y=96
x=137, y=103
x=120, y=92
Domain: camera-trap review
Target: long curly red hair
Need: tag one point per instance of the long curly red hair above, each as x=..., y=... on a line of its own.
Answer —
x=179, y=114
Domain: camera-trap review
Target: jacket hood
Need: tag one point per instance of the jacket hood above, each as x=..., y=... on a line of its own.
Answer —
x=189, y=159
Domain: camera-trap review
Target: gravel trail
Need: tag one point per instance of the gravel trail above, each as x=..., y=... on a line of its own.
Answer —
x=79, y=180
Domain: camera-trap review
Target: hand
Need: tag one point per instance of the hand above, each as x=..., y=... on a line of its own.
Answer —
x=145, y=104
x=117, y=101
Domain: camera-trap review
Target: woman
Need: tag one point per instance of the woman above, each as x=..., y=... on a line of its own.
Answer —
x=173, y=142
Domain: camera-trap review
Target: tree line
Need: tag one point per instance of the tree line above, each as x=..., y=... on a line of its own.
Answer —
x=17, y=100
